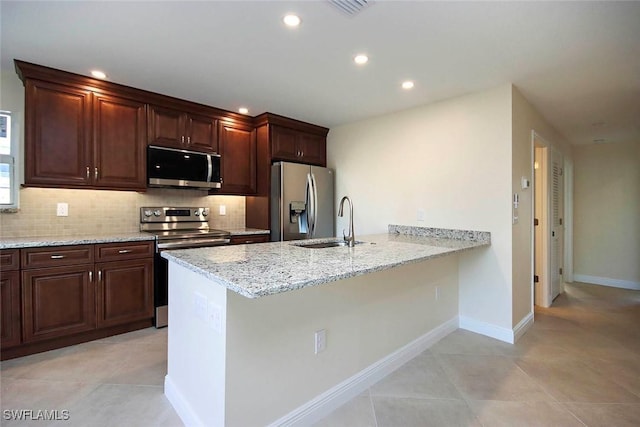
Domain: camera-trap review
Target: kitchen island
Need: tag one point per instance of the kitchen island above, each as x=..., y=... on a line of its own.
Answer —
x=276, y=333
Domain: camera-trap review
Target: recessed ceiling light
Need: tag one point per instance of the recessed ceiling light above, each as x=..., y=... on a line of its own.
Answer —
x=407, y=85
x=361, y=59
x=243, y=110
x=98, y=74
x=291, y=20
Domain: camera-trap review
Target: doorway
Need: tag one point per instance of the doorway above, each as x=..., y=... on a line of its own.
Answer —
x=548, y=233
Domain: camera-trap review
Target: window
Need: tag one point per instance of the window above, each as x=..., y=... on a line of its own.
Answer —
x=7, y=163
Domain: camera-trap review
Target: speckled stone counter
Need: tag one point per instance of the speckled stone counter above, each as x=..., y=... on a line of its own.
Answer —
x=259, y=270
x=32, y=242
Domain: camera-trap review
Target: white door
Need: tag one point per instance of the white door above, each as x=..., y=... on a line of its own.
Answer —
x=557, y=206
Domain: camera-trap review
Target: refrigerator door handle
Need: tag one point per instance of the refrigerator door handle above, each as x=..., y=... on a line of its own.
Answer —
x=315, y=204
x=310, y=206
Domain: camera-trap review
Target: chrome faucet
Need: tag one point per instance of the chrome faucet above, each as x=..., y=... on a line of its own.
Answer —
x=351, y=238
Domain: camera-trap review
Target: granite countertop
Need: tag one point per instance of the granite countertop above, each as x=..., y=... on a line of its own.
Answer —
x=86, y=239
x=270, y=268
x=246, y=231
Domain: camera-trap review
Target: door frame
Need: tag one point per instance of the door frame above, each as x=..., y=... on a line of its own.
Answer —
x=541, y=292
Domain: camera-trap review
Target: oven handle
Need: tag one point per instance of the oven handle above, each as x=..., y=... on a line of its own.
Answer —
x=187, y=244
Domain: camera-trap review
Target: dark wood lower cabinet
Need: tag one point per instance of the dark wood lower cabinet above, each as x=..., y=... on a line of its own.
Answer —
x=66, y=295
x=10, y=309
x=57, y=301
x=125, y=291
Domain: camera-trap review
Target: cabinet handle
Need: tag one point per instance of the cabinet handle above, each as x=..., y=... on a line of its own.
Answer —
x=301, y=153
x=124, y=251
x=91, y=276
x=57, y=256
x=182, y=139
x=88, y=172
x=99, y=275
x=188, y=140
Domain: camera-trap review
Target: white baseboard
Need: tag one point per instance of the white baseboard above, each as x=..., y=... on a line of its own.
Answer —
x=522, y=327
x=606, y=281
x=182, y=407
x=487, y=329
x=327, y=402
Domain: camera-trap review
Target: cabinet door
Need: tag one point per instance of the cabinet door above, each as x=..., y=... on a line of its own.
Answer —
x=125, y=291
x=57, y=135
x=57, y=301
x=119, y=129
x=284, y=144
x=166, y=127
x=202, y=133
x=9, y=309
x=313, y=149
x=238, y=156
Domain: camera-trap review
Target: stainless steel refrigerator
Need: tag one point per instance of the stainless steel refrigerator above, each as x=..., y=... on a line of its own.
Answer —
x=302, y=202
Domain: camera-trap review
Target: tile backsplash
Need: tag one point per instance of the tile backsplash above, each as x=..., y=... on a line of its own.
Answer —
x=101, y=211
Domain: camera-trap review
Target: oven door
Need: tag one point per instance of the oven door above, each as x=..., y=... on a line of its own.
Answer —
x=161, y=272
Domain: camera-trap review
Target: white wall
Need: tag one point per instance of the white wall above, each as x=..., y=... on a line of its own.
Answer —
x=452, y=159
x=607, y=214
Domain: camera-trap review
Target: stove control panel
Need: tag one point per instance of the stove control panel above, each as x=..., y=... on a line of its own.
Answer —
x=169, y=214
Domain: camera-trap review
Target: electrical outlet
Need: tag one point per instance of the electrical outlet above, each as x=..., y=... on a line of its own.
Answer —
x=421, y=215
x=62, y=209
x=214, y=317
x=223, y=210
x=200, y=305
x=320, y=341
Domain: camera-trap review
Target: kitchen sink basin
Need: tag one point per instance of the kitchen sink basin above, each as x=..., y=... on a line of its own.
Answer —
x=321, y=245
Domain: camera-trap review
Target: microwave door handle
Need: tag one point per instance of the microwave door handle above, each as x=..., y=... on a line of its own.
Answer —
x=209, y=168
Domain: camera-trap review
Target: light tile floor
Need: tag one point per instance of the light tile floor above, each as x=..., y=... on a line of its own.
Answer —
x=578, y=365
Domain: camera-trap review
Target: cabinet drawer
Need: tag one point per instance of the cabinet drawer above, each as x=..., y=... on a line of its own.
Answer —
x=117, y=251
x=9, y=259
x=252, y=238
x=57, y=256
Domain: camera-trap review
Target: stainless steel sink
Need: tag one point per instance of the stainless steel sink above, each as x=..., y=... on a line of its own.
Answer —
x=320, y=245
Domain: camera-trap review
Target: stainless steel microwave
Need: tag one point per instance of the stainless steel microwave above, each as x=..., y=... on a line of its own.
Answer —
x=171, y=167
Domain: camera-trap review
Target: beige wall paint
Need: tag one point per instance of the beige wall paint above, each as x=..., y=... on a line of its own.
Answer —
x=101, y=211
x=452, y=159
x=526, y=119
x=607, y=211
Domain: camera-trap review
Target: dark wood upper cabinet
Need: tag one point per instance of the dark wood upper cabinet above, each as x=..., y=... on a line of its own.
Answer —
x=173, y=128
x=298, y=146
x=119, y=142
x=79, y=134
x=238, y=157
x=57, y=135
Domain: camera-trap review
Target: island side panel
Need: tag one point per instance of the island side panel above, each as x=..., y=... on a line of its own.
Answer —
x=271, y=365
x=195, y=381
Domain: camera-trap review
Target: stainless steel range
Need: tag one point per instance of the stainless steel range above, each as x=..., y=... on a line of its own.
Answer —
x=176, y=228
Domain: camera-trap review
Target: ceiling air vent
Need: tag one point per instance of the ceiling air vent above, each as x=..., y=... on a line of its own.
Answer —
x=350, y=7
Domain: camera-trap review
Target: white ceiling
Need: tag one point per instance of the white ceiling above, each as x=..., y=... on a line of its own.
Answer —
x=578, y=63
